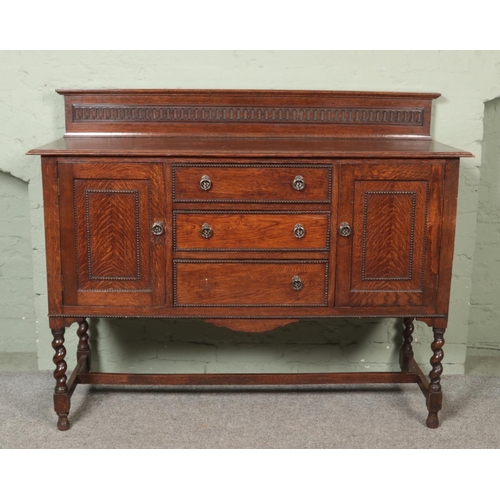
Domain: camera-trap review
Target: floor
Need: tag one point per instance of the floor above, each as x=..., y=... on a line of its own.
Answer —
x=383, y=416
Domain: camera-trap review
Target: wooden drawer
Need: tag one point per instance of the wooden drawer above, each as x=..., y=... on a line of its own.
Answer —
x=252, y=183
x=250, y=283
x=260, y=230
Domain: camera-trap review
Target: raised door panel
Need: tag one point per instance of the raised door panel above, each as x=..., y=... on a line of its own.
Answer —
x=394, y=210
x=110, y=255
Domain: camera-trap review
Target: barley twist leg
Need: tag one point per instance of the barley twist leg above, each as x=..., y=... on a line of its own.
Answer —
x=61, y=392
x=435, y=397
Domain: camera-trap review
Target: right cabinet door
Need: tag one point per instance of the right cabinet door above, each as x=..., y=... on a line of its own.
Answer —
x=388, y=225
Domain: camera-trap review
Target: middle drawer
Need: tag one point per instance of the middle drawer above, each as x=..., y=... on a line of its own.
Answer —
x=236, y=231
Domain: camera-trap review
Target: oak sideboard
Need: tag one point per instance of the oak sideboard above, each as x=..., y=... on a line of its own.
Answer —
x=250, y=209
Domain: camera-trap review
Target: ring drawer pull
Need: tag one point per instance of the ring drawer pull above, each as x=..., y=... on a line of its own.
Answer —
x=345, y=229
x=157, y=228
x=298, y=183
x=296, y=283
x=206, y=231
x=205, y=183
x=299, y=231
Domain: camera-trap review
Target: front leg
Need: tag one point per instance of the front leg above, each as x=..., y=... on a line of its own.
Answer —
x=61, y=392
x=435, y=396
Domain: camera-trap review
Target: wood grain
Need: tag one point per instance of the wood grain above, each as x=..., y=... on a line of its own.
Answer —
x=447, y=237
x=251, y=325
x=273, y=312
x=387, y=260
x=251, y=230
x=265, y=112
x=132, y=158
x=243, y=283
x=219, y=148
x=50, y=183
x=247, y=378
x=261, y=183
x=110, y=255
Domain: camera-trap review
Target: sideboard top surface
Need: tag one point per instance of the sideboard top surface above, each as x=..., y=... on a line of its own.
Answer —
x=248, y=123
x=252, y=147
x=251, y=92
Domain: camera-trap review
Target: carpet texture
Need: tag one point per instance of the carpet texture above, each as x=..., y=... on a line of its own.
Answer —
x=375, y=416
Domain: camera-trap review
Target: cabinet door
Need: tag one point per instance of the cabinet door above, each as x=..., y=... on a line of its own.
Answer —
x=110, y=255
x=393, y=209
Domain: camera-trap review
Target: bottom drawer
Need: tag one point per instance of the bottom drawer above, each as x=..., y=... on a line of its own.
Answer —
x=250, y=283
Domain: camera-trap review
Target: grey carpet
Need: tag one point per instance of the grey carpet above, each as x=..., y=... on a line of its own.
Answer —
x=388, y=416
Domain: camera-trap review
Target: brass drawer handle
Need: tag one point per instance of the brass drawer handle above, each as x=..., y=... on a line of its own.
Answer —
x=345, y=229
x=298, y=183
x=205, y=183
x=296, y=283
x=206, y=231
x=299, y=231
x=157, y=228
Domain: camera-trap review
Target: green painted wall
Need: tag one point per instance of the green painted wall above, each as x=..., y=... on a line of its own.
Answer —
x=17, y=298
x=33, y=114
x=484, y=324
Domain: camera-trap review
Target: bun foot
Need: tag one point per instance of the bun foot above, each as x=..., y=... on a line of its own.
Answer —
x=63, y=423
x=432, y=420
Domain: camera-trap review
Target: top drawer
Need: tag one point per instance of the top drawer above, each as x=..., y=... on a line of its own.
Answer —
x=252, y=182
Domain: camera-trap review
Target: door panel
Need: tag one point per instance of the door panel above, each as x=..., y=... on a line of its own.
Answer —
x=110, y=256
x=394, y=215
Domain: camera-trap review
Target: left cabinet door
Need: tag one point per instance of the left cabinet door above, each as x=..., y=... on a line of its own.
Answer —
x=113, y=232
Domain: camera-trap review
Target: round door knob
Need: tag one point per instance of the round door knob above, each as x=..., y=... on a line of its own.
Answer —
x=296, y=283
x=157, y=228
x=205, y=183
x=206, y=231
x=299, y=231
x=345, y=229
x=298, y=183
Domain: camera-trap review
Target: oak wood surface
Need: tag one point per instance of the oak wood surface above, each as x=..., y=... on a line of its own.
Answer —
x=251, y=325
x=109, y=255
x=449, y=202
x=248, y=112
x=248, y=147
x=251, y=92
x=435, y=396
x=251, y=230
x=297, y=312
x=423, y=381
x=253, y=182
x=50, y=183
x=243, y=283
x=247, y=378
x=80, y=367
x=124, y=210
x=388, y=259
x=406, y=351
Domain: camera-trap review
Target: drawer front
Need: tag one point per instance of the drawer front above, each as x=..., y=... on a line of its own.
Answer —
x=252, y=183
x=250, y=283
x=261, y=231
